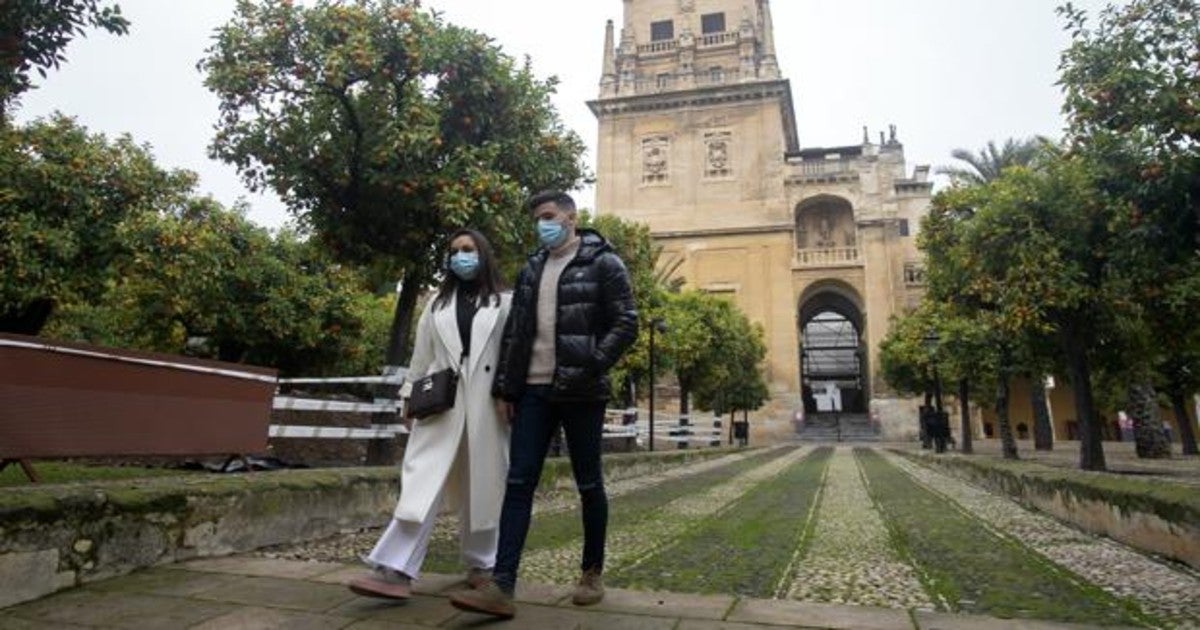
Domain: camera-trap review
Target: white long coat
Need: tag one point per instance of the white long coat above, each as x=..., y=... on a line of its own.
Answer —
x=434, y=440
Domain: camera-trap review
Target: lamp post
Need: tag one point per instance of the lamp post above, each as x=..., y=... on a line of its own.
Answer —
x=656, y=324
x=941, y=424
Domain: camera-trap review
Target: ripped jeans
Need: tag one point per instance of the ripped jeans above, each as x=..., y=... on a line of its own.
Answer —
x=537, y=420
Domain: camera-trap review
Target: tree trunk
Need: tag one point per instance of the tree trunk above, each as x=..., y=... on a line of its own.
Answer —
x=1091, y=449
x=684, y=394
x=1007, y=442
x=1147, y=423
x=964, y=442
x=1043, y=431
x=399, y=345
x=1187, y=434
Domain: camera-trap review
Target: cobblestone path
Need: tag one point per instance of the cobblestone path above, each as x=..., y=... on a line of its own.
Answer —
x=820, y=525
x=850, y=557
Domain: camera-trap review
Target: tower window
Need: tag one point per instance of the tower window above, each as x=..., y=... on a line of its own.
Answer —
x=712, y=23
x=903, y=227
x=662, y=31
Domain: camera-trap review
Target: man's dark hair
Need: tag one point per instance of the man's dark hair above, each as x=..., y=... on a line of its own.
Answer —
x=557, y=197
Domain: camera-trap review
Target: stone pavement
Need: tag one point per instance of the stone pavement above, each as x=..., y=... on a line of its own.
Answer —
x=248, y=592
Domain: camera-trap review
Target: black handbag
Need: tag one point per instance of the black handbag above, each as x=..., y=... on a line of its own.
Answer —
x=433, y=394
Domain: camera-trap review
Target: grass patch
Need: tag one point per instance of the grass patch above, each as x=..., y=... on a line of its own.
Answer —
x=560, y=528
x=65, y=472
x=743, y=550
x=975, y=570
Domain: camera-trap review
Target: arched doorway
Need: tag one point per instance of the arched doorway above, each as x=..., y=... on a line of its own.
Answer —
x=833, y=353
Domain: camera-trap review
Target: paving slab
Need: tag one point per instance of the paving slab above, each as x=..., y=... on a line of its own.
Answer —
x=269, y=618
x=280, y=593
x=372, y=624
x=263, y=567
x=528, y=616
x=159, y=581
x=820, y=615
x=10, y=622
x=94, y=607
x=707, y=624
x=951, y=621
x=659, y=603
x=420, y=610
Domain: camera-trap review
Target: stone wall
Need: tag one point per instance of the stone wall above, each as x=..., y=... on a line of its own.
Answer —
x=57, y=536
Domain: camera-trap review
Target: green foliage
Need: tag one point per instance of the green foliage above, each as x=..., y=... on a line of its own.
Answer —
x=990, y=162
x=34, y=34
x=384, y=128
x=63, y=194
x=207, y=282
x=714, y=351
x=652, y=281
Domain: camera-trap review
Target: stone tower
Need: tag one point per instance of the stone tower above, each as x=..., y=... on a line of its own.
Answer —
x=698, y=140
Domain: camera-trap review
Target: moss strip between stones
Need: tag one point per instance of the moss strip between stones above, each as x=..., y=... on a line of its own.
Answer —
x=972, y=569
x=746, y=548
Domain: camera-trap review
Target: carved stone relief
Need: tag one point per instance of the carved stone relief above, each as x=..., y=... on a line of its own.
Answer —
x=656, y=153
x=717, y=150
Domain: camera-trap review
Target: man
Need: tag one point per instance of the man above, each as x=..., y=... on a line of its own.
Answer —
x=572, y=317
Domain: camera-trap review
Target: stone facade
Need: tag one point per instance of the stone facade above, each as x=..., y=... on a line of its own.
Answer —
x=697, y=138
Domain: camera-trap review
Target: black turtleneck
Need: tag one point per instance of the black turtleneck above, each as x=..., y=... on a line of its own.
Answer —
x=467, y=305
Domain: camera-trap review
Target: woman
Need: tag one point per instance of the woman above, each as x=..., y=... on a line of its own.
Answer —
x=460, y=455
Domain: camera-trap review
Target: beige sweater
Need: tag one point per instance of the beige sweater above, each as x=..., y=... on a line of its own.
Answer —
x=541, y=362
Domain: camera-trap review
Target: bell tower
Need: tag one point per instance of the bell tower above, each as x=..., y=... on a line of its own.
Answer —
x=697, y=139
x=692, y=109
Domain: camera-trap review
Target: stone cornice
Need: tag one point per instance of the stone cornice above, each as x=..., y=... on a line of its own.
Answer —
x=703, y=95
x=730, y=231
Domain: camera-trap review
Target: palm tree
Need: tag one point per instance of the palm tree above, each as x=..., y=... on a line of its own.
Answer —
x=987, y=165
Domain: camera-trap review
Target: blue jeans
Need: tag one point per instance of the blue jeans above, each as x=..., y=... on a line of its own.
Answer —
x=537, y=420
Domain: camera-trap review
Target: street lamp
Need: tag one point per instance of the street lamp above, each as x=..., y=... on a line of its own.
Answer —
x=656, y=324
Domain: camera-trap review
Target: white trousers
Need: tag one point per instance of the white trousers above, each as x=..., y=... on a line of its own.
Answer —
x=404, y=544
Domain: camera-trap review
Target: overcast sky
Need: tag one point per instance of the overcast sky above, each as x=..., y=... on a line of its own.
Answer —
x=947, y=73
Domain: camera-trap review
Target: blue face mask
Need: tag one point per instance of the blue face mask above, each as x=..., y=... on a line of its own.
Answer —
x=551, y=233
x=465, y=265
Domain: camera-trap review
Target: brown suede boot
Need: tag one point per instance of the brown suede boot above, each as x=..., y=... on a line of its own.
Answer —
x=487, y=598
x=590, y=589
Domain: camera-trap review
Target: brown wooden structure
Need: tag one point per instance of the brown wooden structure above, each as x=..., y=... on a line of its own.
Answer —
x=61, y=399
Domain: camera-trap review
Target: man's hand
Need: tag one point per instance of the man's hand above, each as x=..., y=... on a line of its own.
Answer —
x=510, y=411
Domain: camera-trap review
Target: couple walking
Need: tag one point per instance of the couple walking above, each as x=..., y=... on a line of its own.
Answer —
x=568, y=320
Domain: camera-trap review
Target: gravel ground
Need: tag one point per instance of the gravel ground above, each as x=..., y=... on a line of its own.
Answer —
x=850, y=559
x=1167, y=590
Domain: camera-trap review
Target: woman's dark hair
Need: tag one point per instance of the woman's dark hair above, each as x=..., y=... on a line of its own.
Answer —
x=488, y=280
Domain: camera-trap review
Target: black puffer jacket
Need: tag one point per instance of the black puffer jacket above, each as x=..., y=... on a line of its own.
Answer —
x=596, y=321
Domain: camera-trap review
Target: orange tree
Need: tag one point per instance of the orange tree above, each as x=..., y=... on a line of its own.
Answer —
x=1131, y=78
x=34, y=34
x=1031, y=249
x=63, y=194
x=383, y=128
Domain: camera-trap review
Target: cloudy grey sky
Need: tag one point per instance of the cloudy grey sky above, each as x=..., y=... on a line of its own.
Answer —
x=947, y=73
